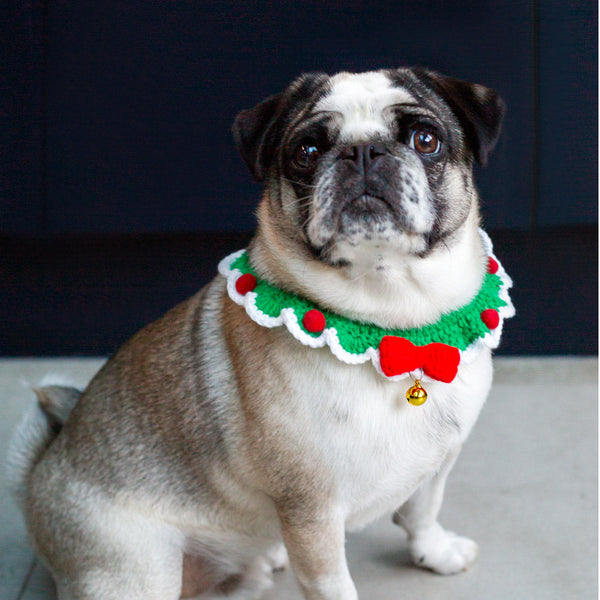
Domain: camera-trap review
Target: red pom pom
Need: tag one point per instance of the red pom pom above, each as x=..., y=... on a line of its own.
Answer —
x=492, y=265
x=314, y=321
x=491, y=318
x=245, y=283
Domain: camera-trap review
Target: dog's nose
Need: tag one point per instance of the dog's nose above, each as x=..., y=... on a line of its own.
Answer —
x=363, y=156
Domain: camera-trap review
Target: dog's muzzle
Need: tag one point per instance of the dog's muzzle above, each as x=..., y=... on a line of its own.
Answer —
x=368, y=190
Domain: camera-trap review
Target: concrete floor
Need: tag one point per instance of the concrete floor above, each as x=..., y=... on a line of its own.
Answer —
x=525, y=488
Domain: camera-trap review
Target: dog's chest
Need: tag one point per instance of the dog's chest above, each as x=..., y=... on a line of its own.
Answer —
x=361, y=430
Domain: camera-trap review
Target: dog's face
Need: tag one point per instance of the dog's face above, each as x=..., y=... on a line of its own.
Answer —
x=357, y=166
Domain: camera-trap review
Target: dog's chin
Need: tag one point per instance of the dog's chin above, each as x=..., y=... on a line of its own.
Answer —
x=367, y=236
x=361, y=251
x=363, y=232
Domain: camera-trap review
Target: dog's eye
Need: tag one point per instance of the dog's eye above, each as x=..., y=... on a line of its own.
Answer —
x=425, y=142
x=306, y=156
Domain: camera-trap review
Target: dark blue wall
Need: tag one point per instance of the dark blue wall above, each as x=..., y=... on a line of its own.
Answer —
x=568, y=112
x=135, y=102
x=118, y=171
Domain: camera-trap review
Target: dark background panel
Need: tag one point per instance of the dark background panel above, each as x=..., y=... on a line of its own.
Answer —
x=120, y=187
x=568, y=114
x=22, y=143
x=87, y=294
x=141, y=97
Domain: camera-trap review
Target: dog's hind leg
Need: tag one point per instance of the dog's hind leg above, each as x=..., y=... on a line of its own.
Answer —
x=97, y=548
x=249, y=584
x=151, y=576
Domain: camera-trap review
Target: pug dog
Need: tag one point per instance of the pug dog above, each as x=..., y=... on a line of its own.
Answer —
x=261, y=419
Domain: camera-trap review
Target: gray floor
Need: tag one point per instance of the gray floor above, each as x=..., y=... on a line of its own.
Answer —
x=525, y=488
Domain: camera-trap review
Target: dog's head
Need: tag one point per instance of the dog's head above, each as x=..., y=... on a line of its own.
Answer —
x=379, y=160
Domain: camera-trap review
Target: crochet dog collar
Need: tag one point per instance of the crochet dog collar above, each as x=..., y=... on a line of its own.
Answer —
x=434, y=351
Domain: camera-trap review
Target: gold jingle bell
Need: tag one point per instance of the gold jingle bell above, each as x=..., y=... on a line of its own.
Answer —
x=416, y=395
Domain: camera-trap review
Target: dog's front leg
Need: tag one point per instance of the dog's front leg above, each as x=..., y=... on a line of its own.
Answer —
x=315, y=544
x=430, y=545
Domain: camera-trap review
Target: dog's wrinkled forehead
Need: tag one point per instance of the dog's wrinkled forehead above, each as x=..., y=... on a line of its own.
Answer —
x=355, y=108
x=362, y=103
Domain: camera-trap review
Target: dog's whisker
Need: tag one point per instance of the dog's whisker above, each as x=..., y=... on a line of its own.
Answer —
x=301, y=183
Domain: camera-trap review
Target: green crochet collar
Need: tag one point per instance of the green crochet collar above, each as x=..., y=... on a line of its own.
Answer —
x=466, y=329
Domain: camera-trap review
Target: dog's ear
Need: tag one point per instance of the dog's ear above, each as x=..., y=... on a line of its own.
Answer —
x=251, y=134
x=258, y=131
x=479, y=110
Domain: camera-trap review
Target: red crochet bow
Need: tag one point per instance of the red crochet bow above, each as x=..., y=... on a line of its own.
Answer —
x=438, y=361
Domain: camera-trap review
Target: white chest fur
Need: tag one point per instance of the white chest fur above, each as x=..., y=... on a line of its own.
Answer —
x=360, y=429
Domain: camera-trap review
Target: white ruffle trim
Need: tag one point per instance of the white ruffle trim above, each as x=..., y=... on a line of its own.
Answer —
x=329, y=336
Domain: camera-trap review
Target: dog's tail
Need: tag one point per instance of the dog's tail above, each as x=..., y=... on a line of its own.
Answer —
x=41, y=423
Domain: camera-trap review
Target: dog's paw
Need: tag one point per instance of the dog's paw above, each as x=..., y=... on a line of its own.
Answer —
x=442, y=551
x=277, y=557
